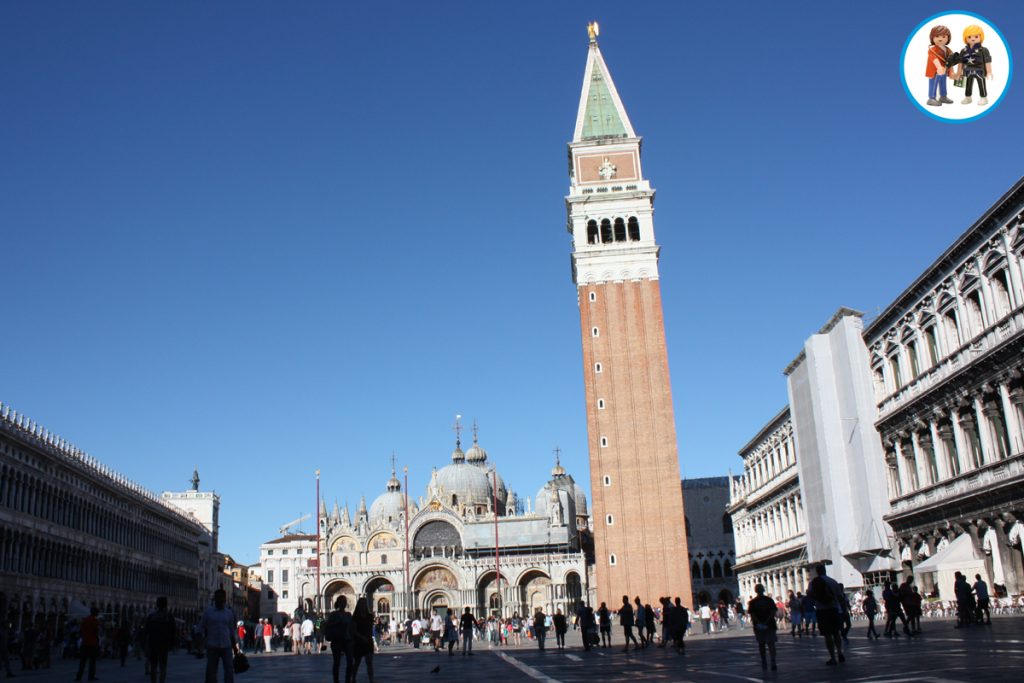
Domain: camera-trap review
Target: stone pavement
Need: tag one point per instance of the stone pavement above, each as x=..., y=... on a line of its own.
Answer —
x=941, y=655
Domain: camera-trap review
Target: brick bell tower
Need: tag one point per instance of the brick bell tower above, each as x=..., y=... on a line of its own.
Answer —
x=639, y=524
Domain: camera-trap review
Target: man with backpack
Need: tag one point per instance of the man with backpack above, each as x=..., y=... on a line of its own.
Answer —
x=339, y=632
x=828, y=608
x=160, y=633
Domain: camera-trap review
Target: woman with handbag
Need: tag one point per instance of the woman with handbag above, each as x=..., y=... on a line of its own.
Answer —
x=362, y=622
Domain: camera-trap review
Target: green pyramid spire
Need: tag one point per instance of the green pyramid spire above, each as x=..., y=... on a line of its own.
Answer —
x=601, y=118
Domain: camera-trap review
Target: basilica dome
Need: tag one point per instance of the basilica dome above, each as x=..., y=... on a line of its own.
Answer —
x=389, y=506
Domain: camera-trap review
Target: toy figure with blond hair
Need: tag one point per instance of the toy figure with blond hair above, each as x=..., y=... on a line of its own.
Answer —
x=975, y=64
x=938, y=55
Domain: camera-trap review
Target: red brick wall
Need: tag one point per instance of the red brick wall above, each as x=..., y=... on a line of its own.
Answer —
x=648, y=536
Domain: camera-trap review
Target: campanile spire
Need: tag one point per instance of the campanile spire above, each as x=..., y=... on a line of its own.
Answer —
x=639, y=523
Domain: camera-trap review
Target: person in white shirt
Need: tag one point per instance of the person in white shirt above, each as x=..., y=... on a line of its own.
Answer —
x=435, y=630
x=295, y=631
x=307, y=634
x=417, y=629
x=218, y=628
x=705, y=618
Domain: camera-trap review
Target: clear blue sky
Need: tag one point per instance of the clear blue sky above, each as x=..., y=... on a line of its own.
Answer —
x=266, y=237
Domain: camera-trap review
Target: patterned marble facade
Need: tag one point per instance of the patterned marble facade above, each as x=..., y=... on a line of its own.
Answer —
x=947, y=359
x=74, y=534
x=450, y=535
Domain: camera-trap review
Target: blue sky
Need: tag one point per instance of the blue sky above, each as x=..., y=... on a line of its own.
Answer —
x=268, y=237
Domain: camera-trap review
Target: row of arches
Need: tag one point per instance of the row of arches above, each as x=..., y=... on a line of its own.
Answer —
x=38, y=556
x=709, y=570
x=32, y=496
x=608, y=231
x=50, y=614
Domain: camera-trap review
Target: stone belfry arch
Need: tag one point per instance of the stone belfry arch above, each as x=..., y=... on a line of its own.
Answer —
x=639, y=528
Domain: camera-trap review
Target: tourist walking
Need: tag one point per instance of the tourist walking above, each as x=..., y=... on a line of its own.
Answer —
x=604, y=619
x=705, y=618
x=762, y=611
x=540, y=627
x=981, y=595
x=451, y=633
x=870, y=607
x=560, y=628
x=159, y=632
x=338, y=631
x=828, y=607
x=640, y=616
x=466, y=624
x=626, y=620
x=794, y=605
x=218, y=628
x=893, y=611
x=90, y=648
x=362, y=648
x=435, y=630
x=679, y=625
x=295, y=631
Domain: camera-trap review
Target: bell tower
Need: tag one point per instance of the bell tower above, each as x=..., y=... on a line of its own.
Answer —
x=639, y=524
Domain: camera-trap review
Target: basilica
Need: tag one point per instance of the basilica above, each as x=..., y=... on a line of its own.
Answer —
x=444, y=550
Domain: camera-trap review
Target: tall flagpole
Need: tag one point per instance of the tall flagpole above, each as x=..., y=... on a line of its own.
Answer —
x=408, y=596
x=497, y=563
x=319, y=599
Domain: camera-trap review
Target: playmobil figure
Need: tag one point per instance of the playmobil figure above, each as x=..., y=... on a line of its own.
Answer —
x=938, y=55
x=975, y=63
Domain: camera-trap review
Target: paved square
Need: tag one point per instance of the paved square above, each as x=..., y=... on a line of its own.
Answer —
x=941, y=655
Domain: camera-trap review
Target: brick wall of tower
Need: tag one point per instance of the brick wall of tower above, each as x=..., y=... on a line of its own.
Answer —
x=648, y=536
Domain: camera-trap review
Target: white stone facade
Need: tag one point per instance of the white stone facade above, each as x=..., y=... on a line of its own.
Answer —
x=204, y=507
x=74, y=534
x=947, y=358
x=767, y=510
x=282, y=561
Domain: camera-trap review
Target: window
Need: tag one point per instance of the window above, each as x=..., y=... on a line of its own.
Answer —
x=285, y=551
x=284, y=576
x=634, y=230
x=1001, y=294
x=600, y=404
x=620, y=230
x=594, y=332
x=344, y=562
x=606, y=231
x=383, y=559
x=894, y=366
x=609, y=520
x=933, y=345
x=284, y=594
x=593, y=296
x=591, y=232
x=611, y=559
x=915, y=365
x=604, y=442
x=976, y=322
x=952, y=330
x=270, y=576
x=597, y=368
x=607, y=480
x=726, y=524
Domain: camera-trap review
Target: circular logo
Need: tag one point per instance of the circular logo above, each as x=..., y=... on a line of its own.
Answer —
x=956, y=66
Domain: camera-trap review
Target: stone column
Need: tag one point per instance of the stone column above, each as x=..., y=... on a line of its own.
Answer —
x=1013, y=426
x=907, y=476
x=924, y=476
x=939, y=449
x=988, y=451
x=1006, y=553
x=963, y=447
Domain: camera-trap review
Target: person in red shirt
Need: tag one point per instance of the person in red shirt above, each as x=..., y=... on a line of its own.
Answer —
x=90, y=649
x=268, y=633
x=937, y=67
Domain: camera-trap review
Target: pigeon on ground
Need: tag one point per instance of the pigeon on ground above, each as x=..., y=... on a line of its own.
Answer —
x=436, y=670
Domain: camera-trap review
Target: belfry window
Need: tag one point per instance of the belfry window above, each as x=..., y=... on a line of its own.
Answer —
x=600, y=404
x=611, y=559
x=634, y=229
x=620, y=230
x=591, y=232
x=606, y=231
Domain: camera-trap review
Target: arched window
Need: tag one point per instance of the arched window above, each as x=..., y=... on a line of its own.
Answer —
x=455, y=500
x=606, y=231
x=695, y=570
x=634, y=229
x=975, y=319
x=707, y=570
x=344, y=562
x=591, y=232
x=718, y=570
x=726, y=523
x=727, y=568
x=383, y=606
x=952, y=329
x=688, y=531
x=383, y=559
x=620, y=230
x=1001, y=294
x=494, y=602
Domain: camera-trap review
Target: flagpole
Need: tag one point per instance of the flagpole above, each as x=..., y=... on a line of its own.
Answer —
x=497, y=563
x=319, y=599
x=408, y=596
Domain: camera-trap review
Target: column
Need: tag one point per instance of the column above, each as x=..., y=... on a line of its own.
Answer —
x=1012, y=424
x=963, y=446
x=906, y=477
x=1013, y=268
x=924, y=477
x=939, y=449
x=988, y=449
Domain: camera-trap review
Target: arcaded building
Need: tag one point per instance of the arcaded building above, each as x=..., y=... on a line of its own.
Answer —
x=709, y=536
x=947, y=360
x=410, y=555
x=74, y=534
